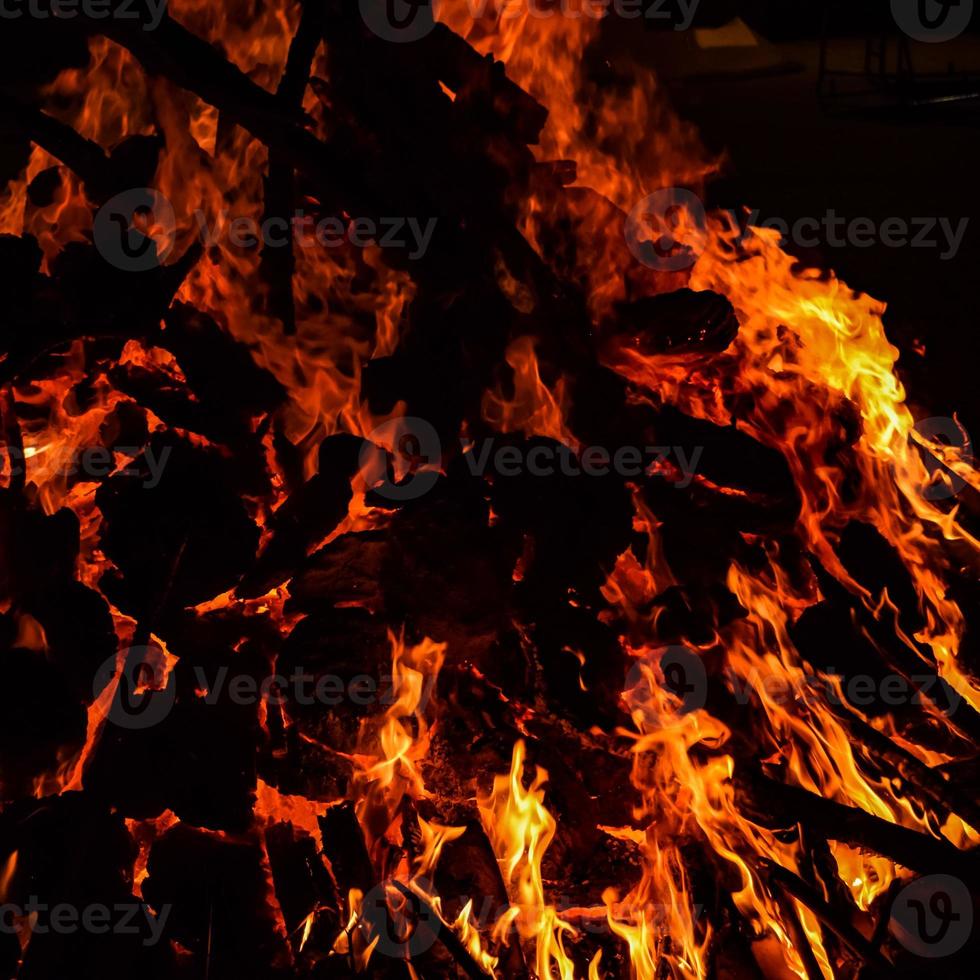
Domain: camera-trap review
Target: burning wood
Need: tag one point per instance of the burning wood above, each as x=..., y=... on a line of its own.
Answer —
x=506, y=608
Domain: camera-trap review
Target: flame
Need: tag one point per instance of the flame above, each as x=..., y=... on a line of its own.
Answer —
x=272, y=806
x=145, y=832
x=808, y=350
x=435, y=836
x=521, y=829
x=390, y=753
x=354, y=942
x=535, y=409
x=7, y=874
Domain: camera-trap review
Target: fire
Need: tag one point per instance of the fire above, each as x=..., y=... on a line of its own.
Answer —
x=391, y=752
x=808, y=352
x=521, y=829
x=354, y=943
x=535, y=409
x=145, y=832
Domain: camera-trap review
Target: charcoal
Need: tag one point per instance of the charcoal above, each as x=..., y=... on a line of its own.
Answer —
x=173, y=402
x=180, y=542
x=71, y=851
x=24, y=37
x=79, y=631
x=602, y=414
x=218, y=369
x=43, y=189
x=66, y=842
x=26, y=532
x=731, y=458
x=132, y=163
x=876, y=566
x=841, y=636
x=198, y=760
x=447, y=574
x=298, y=765
x=345, y=571
x=218, y=891
x=344, y=847
x=40, y=716
x=125, y=427
x=9, y=953
x=688, y=614
x=20, y=263
x=342, y=644
x=681, y=322
x=302, y=882
x=280, y=622
x=574, y=526
x=307, y=516
x=588, y=692
x=100, y=298
x=469, y=869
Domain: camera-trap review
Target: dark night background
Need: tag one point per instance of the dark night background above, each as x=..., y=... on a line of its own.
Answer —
x=791, y=157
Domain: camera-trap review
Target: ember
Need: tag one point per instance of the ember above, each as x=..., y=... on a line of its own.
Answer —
x=511, y=581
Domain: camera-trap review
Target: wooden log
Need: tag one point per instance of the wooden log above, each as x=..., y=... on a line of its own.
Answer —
x=278, y=263
x=849, y=825
x=431, y=920
x=83, y=156
x=795, y=887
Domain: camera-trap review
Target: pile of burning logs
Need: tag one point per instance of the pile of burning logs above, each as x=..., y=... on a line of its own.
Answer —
x=252, y=828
